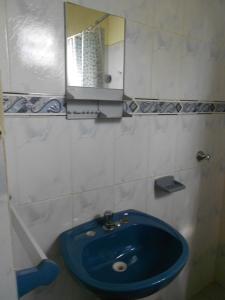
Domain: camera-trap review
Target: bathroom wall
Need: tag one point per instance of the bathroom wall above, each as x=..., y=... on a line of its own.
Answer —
x=7, y=275
x=220, y=265
x=62, y=173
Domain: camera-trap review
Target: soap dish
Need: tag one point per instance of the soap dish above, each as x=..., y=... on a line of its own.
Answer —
x=168, y=184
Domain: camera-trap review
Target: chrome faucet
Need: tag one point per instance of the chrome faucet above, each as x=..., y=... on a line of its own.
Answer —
x=109, y=224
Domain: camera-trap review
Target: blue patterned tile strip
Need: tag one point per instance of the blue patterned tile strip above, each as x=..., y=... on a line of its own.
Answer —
x=35, y=104
x=30, y=104
x=140, y=106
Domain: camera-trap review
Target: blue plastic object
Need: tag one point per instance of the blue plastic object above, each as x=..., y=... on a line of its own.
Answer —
x=44, y=274
x=153, y=252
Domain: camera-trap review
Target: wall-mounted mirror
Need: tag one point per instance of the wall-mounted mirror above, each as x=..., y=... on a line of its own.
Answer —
x=95, y=51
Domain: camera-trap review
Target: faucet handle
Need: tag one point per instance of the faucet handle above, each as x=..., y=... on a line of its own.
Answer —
x=108, y=220
x=108, y=215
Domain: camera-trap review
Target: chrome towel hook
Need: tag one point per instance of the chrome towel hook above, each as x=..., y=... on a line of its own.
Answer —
x=202, y=156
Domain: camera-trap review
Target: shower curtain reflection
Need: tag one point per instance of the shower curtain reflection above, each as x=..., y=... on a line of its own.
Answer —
x=85, y=54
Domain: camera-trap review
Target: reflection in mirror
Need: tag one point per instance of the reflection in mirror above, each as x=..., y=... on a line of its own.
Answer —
x=95, y=48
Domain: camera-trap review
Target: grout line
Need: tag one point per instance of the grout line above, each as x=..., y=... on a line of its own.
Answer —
x=58, y=197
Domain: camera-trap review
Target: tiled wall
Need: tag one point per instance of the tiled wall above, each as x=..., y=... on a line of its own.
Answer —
x=62, y=173
x=7, y=276
x=178, y=46
x=220, y=266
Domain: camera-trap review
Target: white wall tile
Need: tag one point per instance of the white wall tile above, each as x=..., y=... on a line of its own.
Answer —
x=192, y=136
x=36, y=46
x=138, y=11
x=4, y=59
x=214, y=20
x=217, y=126
x=158, y=206
x=3, y=181
x=208, y=222
x=21, y=259
x=169, y=15
x=7, y=276
x=222, y=75
x=102, y=5
x=92, y=154
x=211, y=188
x=43, y=163
x=8, y=288
x=138, y=60
x=201, y=70
x=220, y=270
x=11, y=156
x=210, y=72
x=47, y=220
x=194, y=18
x=166, y=65
x=191, y=69
x=221, y=83
x=162, y=154
x=88, y=205
x=185, y=204
x=131, y=195
x=131, y=149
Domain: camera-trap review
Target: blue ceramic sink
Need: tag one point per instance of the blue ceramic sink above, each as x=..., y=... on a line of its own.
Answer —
x=131, y=262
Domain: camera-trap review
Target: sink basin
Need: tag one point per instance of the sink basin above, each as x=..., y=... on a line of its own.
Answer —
x=131, y=262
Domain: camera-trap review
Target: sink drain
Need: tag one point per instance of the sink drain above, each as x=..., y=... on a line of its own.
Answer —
x=119, y=266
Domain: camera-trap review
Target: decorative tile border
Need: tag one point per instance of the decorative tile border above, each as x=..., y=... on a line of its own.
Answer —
x=33, y=104
x=148, y=106
x=55, y=105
